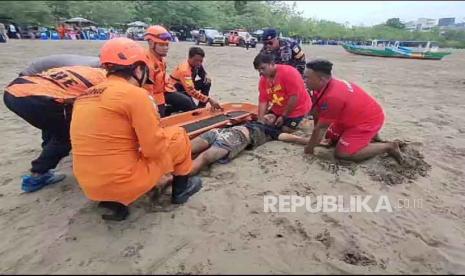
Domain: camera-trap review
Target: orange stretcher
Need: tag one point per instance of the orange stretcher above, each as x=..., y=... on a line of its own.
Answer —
x=201, y=120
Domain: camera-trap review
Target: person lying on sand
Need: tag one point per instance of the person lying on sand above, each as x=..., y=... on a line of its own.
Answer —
x=222, y=145
x=345, y=115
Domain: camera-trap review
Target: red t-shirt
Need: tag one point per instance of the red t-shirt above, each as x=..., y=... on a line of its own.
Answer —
x=347, y=105
x=286, y=83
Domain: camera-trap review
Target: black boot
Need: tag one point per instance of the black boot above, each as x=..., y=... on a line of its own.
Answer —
x=184, y=187
x=119, y=211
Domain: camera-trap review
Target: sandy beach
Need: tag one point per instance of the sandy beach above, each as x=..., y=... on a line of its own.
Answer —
x=224, y=229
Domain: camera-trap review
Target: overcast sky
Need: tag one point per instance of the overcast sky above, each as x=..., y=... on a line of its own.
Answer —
x=374, y=12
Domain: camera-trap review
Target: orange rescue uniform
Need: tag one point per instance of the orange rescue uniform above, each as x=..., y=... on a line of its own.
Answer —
x=183, y=75
x=62, y=84
x=157, y=71
x=120, y=151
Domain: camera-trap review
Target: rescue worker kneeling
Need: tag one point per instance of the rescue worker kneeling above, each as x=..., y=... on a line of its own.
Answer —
x=45, y=101
x=120, y=151
x=189, y=81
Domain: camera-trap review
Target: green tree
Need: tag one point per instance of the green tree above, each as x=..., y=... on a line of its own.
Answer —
x=223, y=15
x=240, y=6
x=59, y=9
x=34, y=12
x=174, y=13
x=395, y=23
x=103, y=13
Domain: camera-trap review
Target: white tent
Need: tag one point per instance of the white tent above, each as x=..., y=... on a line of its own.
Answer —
x=80, y=20
x=138, y=24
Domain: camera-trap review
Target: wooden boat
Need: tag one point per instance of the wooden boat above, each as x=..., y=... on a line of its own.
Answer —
x=201, y=120
x=398, y=49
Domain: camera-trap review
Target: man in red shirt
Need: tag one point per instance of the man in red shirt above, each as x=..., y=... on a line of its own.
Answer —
x=282, y=92
x=347, y=114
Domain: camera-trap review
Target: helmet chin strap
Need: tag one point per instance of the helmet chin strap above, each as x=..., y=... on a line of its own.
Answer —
x=143, y=78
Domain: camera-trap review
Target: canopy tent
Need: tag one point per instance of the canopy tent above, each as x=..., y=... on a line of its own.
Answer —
x=80, y=21
x=138, y=24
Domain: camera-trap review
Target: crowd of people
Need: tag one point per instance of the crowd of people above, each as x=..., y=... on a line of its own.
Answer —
x=85, y=33
x=108, y=111
x=8, y=31
x=63, y=32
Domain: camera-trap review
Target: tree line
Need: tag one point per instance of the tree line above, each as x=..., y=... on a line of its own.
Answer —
x=223, y=15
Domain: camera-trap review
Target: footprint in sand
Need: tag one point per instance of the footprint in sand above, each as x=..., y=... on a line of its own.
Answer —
x=225, y=176
x=326, y=218
x=355, y=257
x=6, y=181
x=292, y=228
x=132, y=251
x=325, y=238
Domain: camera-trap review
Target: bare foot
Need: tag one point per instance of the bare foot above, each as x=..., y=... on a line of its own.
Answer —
x=395, y=152
x=327, y=143
x=377, y=139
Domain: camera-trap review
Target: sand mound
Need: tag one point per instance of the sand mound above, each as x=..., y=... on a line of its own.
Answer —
x=388, y=171
x=381, y=168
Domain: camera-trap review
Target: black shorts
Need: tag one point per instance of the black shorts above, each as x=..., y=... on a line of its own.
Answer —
x=292, y=123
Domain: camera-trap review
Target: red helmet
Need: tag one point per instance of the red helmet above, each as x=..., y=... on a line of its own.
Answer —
x=122, y=51
x=158, y=34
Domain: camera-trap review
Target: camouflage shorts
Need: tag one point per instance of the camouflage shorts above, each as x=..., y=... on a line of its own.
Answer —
x=231, y=139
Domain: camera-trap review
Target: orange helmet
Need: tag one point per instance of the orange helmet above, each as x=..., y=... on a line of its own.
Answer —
x=158, y=34
x=122, y=51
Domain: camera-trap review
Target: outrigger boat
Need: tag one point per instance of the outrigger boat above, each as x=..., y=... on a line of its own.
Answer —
x=201, y=120
x=399, y=49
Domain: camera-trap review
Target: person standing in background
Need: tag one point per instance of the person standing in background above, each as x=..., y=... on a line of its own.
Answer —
x=3, y=34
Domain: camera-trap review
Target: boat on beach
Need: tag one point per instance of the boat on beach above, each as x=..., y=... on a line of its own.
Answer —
x=399, y=49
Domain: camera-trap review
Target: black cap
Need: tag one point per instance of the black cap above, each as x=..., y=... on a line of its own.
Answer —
x=269, y=34
x=320, y=65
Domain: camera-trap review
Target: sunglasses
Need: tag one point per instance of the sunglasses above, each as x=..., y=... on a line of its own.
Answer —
x=268, y=42
x=165, y=36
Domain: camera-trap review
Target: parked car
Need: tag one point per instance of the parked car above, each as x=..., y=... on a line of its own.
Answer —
x=135, y=33
x=240, y=38
x=30, y=31
x=210, y=37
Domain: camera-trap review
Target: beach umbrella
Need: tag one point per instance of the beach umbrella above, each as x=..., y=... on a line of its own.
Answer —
x=138, y=24
x=79, y=20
